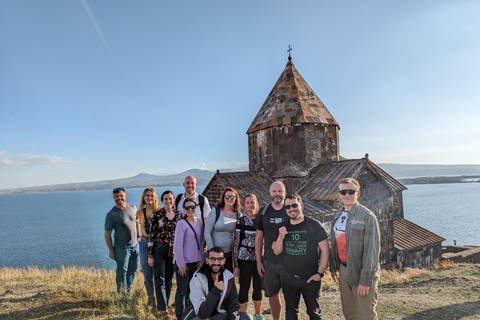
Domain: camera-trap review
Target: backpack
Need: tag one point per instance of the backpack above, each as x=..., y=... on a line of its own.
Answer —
x=217, y=214
x=201, y=202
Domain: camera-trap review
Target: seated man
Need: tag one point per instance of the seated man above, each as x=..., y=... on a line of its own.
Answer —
x=213, y=293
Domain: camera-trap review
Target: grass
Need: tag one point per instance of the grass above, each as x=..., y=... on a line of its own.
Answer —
x=448, y=291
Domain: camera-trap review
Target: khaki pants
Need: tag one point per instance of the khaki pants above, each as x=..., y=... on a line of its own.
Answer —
x=355, y=307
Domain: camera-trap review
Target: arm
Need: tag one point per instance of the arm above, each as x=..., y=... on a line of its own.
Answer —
x=258, y=251
x=322, y=266
x=277, y=246
x=209, y=226
x=371, y=251
x=203, y=304
x=139, y=235
x=178, y=243
x=108, y=241
x=206, y=208
x=231, y=302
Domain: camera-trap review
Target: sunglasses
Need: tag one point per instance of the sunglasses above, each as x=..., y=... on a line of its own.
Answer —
x=229, y=197
x=190, y=207
x=213, y=259
x=294, y=206
x=350, y=192
x=118, y=189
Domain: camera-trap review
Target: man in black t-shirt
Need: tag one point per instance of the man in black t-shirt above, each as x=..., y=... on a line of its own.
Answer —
x=269, y=267
x=304, y=244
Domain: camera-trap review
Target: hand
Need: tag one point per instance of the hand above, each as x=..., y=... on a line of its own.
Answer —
x=334, y=277
x=362, y=291
x=199, y=264
x=151, y=262
x=282, y=232
x=182, y=271
x=260, y=268
x=219, y=284
x=315, y=277
x=111, y=254
x=236, y=272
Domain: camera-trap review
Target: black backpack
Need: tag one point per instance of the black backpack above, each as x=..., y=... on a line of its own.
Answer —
x=201, y=202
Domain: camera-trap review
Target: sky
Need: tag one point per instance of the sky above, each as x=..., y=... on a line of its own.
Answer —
x=97, y=90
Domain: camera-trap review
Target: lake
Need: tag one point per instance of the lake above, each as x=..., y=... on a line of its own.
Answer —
x=67, y=228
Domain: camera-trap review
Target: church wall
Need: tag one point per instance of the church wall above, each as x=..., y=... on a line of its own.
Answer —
x=419, y=257
x=306, y=145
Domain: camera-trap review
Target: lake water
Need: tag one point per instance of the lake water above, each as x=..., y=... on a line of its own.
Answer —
x=67, y=228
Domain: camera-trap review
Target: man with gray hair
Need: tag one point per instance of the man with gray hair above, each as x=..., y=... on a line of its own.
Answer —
x=355, y=253
x=271, y=218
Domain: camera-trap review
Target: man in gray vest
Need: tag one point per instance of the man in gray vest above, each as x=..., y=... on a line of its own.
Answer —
x=124, y=250
x=355, y=253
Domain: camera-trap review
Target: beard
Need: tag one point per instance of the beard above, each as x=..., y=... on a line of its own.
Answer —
x=220, y=270
x=277, y=199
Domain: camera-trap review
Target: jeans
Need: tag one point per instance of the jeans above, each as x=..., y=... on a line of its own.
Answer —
x=183, y=288
x=163, y=271
x=147, y=270
x=294, y=286
x=127, y=264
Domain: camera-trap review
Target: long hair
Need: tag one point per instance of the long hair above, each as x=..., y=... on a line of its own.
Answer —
x=237, y=205
x=142, y=205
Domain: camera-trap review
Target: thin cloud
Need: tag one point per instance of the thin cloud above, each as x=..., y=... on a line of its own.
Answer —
x=13, y=159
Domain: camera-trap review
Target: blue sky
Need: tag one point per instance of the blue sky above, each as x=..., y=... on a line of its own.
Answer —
x=95, y=90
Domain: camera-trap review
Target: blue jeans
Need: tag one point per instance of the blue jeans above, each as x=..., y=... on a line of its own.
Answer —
x=183, y=288
x=163, y=271
x=294, y=286
x=127, y=264
x=147, y=270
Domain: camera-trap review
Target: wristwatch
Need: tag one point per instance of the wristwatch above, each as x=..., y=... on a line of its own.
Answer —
x=320, y=274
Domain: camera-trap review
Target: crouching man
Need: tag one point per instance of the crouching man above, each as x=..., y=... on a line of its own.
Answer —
x=213, y=293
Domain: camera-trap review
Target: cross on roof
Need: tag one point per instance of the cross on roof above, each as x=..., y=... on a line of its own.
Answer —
x=289, y=49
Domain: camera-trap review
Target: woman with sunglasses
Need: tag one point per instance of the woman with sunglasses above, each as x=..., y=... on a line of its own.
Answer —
x=245, y=264
x=188, y=248
x=221, y=222
x=160, y=249
x=148, y=205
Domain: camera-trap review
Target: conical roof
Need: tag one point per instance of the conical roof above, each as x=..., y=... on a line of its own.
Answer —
x=291, y=101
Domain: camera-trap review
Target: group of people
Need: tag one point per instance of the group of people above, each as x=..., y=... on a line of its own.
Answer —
x=277, y=248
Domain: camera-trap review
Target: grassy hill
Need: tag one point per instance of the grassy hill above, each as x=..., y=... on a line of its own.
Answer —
x=447, y=291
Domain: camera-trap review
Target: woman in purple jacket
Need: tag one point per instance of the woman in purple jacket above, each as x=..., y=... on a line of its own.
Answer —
x=188, y=248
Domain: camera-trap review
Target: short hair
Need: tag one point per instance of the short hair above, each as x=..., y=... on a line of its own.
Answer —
x=165, y=193
x=215, y=249
x=237, y=205
x=117, y=190
x=280, y=183
x=189, y=200
x=294, y=196
x=254, y=197
x=350, y=180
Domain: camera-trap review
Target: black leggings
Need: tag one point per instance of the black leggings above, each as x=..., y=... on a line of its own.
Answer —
x=248, y=270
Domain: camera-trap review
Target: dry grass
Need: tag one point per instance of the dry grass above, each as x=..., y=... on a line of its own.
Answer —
x=447, y=291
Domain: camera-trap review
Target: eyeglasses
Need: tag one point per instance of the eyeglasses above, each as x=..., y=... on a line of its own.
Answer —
x=349, y=191
x=288, y=206
x=213, y=259
x=229, y=197
x=118, y=189
x=190, y=207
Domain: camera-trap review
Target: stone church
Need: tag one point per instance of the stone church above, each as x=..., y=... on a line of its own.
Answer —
x=294, y=138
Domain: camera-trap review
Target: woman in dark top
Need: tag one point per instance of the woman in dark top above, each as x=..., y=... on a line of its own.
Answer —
x=160, y=249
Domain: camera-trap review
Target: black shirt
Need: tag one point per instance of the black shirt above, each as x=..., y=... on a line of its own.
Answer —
x=269, y=223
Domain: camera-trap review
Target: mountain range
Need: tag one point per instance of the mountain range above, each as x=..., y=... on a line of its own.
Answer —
x=143, y=180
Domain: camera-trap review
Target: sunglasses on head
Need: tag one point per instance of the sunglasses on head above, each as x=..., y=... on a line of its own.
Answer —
x=118, y=189
x=288, y=206
x=190, y=207
x=349, y=191
x=230, y=197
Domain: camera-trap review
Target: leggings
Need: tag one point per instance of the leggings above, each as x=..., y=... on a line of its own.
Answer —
x=248, y=270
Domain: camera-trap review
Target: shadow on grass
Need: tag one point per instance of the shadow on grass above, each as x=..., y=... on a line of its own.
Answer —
x=453, y=311
x=64, y=310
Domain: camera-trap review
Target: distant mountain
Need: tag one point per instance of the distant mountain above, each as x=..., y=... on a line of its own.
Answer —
x=429, y=170
x=141, y=180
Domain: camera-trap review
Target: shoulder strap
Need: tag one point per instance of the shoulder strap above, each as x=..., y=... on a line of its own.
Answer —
x=147, y=230
x=177, y=200
x=217, y=213
x=242, y=229
x=201, y=202
x=198, y=246
x=265, y=209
